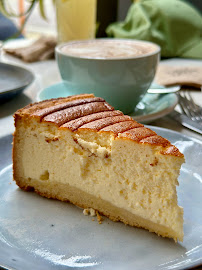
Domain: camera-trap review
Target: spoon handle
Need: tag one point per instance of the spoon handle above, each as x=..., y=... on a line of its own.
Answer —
x=166, y=90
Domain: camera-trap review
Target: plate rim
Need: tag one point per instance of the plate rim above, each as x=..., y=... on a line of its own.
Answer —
x=28, y=71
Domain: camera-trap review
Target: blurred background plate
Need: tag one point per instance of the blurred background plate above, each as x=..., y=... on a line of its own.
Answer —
x=13, y=80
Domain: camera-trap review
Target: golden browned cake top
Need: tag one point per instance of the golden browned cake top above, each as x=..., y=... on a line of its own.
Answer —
x=87, y=112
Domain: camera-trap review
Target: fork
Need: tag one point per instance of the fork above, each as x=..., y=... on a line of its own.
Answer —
x=189, y=107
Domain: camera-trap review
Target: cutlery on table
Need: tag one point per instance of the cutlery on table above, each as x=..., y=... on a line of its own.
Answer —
x=191, y=116
x=164, y=90
x=186, y=121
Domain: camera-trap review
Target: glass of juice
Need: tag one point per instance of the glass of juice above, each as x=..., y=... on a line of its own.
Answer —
x=76, y=19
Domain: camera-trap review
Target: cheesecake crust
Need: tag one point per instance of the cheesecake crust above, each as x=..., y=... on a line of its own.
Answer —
x=76, y=196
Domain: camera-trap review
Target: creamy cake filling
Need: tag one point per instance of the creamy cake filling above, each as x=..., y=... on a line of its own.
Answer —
x=135, y=177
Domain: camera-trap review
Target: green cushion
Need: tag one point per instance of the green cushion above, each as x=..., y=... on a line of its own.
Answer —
x=173, y=24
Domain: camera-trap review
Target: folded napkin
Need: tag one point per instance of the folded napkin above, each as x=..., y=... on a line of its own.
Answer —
x=188, y=76
x=174, y=25
x=41, y=49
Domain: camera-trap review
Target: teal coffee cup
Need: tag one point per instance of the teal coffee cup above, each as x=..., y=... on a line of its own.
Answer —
x=118, y=70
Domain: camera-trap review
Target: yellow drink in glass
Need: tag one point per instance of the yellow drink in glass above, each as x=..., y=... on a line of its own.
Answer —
x=76, y=19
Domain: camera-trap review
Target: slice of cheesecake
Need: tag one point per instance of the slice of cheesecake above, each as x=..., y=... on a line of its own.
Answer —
x=79, y=149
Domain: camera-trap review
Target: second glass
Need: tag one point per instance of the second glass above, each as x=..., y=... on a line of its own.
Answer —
x=76, y=19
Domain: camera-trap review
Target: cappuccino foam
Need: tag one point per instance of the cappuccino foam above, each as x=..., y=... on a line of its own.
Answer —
x=107, y=49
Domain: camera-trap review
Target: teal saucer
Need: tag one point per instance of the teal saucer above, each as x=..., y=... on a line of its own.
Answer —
x=150, y=108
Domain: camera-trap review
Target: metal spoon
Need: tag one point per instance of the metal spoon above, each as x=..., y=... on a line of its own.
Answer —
x=167, y=90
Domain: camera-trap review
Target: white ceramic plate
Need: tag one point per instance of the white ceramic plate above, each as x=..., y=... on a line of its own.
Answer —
x=41, y=234
x=152, y=106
